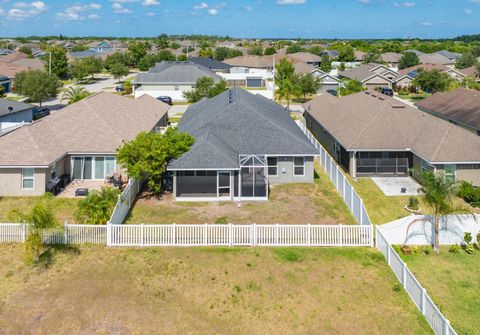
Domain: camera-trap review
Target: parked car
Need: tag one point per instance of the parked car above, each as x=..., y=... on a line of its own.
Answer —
x=119, y=88
x=40, y=112
x=386, y=90
x=165, y=99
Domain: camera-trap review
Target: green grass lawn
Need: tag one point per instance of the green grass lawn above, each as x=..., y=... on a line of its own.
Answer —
x=414, y=97
x=383, y=209
x=315, y=203
x=453, y=283
x=65, y=208
x=100, y=290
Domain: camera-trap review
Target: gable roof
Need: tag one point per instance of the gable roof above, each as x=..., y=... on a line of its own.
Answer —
x=16, y=106
x=251, y=61
x=372, y=121
x=461, y=105
x=449, y=54
x=304, y=57
x=14, y=56
x=470, y=72
x=416, y=52
x=10, y=70
x=435, y=58
x=238, y=122
x=303, y=68
x=210, y=63
x=363, y=72
x=390, y=57
x=411, y=71
x=175, y=73
x=97, y=124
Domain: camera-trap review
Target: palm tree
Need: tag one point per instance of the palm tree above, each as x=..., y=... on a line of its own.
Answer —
x=74, y=94
x=39, y=218
x=438, y=193
x=97, y=207
x=289, y=88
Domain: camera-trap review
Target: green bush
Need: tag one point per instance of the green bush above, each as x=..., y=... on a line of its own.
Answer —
x=454, y=249
x=467, y=238
x=413, y=203
x=469, y=193
x=469, y=249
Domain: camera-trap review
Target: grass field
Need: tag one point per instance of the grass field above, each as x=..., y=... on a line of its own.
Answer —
x=453, y=282
x=414, y=97
x=383, y=209
x=204, y=291
x=65, y=208
x=315, y=203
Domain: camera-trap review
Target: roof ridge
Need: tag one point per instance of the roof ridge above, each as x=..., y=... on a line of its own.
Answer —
x=442, y=140
x=366, y=127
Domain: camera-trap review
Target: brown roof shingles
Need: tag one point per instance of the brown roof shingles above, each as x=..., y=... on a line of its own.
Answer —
x=97, y=124
x=371, y=121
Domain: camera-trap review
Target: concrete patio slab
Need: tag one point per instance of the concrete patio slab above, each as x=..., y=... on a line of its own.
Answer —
x=392, y=186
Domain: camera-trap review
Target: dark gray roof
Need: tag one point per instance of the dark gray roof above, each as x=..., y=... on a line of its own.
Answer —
x=175, y=73
x=448, y=54
x=16, y=106
x=84, y=54
x=331, y=53
x=238, y=122
x=416, y=52
x=210, y=63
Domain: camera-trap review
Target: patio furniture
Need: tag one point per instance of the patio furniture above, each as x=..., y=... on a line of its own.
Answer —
x=54, y=185
x=81, y=192
x=403, y=190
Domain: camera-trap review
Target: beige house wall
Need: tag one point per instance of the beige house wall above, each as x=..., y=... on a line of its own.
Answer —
x=11, y=182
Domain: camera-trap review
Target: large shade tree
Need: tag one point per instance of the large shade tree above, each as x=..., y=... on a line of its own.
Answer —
x=408, y=59
x=287, y=81
x=205, y=88
x=37, y=85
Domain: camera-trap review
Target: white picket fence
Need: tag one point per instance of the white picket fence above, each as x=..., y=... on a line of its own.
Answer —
x=125, y=201
x=199, y=235
x=339, y=179
x=435, y=318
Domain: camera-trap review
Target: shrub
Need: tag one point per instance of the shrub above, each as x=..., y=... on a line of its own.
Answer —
x=467, y=238
x=469, y=249
x=290, y=254
x=454, y=249
x=469, y=193
x=413, y=203
x=427, y=250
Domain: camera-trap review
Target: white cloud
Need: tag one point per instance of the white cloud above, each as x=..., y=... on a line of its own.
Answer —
x=93, y=16
x=116, y=5
x=248, y=8
x=426, y=23
x=468, y=11
x=150, y=3
x=122, y=11
x=201, y=5
x=74, y=13
x=291, y=2
x=150, y=14
x=365, y=2
x=119, y=9
x=2, y=12
x=24, y=10
x=404, y=4
x=213, y=11
x=123, y=1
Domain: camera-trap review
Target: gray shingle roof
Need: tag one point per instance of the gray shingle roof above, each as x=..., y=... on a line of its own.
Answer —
x=210, y=63
x=16, y=106
x=238, y=122
x=175, y=73
x=449, y=54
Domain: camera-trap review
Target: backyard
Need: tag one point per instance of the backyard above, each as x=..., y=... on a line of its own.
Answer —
x=316, y=203
x=93, y=289
x=453, y=282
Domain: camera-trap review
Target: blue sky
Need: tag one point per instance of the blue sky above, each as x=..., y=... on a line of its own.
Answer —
x=242, y=18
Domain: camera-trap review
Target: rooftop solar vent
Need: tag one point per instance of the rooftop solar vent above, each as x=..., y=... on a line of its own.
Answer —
x=398, y=106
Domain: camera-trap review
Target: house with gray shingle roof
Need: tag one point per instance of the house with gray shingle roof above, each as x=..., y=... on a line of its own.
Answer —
x=15, y=111
x=171, y=78
x=78, y=141
x=244, y=143
x=369, y=133
x=371, y=75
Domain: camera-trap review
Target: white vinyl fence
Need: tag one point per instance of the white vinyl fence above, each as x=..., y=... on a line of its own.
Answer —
x=125, y=201
x=417, y=293
x=339, y=179
x=199, y=235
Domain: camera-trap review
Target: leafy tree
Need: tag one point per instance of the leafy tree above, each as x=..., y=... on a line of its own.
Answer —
x=138, y=50
x=206, y=52
x=205, y=88
x=371, y=57
x=118, y=58
x=316, y=50
x=92, y=65
x=255, y=50
x=288, y=83
x=326, y=63
x=269, y=51
x=98, y=206
x=77, y=70
x=149, y=154
x=175, y=45
x=182, y=58
x=349, y=87
x=432, y=81
x=118, y=71
x=438, y=194
x=346, y=54
x=59, y=61
x=309, y=84
x=162, y=41
x=341, y=67
x=41, y=217
x=294, y=48
x=26, y=50
x=163, y=55
x=466, y=60
x=79, y=47
x=74, y=94
x=127, y=85
x=188, y=49
x=408, y=59
x=37, y=85
x=476, y=51
x=146, y=62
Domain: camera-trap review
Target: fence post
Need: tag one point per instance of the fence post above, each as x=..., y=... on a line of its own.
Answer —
x=276, y=234
x=174, y=237
x=388, y=254
x=361, y=210
x=447, y=327
x=109, y=233
x=24, y=232
x=142, y=235
x=343, y=193
x=351, y=199
x=230, y=235
x=253, y=235
x=65, y=232
x=404, y=274
x=422, y=306
x=372, y=237
x=205, y=234
x=340, y=227
x=309, y=234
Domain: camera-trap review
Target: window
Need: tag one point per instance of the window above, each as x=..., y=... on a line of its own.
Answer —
x=450, y=173
x=53, y=170
x=177, y=88
x=424, y=166
x=28, y=178
x=189, y=173
x=200, y=173
x=272, y=163
x=110, y=166
x=99, y=167
x=298, y=166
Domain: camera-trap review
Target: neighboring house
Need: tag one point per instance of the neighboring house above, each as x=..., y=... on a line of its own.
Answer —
x=79, y=140
x=9, y=70
x=4, y=52
x=450, y=55
x=248, y=61
x=370, y=75
x=30, y=63
x=371, y=134
x=83, y=54
x=12, y=57
x=5, y=83
x=460, y=107
x=329, y=82
x=391, y=58
x=244, y=143
x=304, y=57
x=15, y=111
x=226, y=44
x=406, y=76
x=103, y=46
x=416, y=52
x=211, y=64
x=172, y=79
x=471, y=71
x=435, y=58
x=331, y=53
x=359, y=56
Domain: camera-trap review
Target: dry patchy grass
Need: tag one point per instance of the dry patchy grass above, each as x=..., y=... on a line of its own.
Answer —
x=102, y=290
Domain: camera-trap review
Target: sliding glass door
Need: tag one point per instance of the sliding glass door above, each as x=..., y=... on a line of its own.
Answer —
x=92, y=167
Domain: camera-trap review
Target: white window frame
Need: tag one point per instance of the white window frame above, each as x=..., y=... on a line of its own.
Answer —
x=272, y=166
x=295, y=166
x=28, y=178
